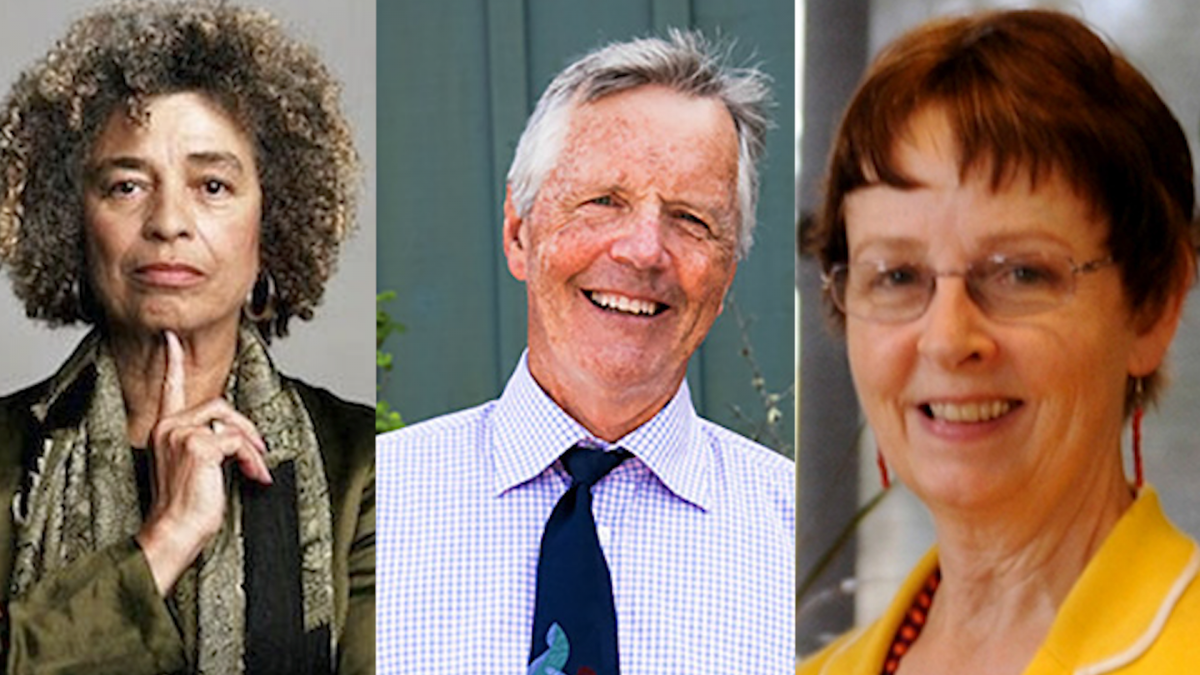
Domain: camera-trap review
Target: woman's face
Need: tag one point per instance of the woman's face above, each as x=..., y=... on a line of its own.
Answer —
x=172, y=211
x=972, y=410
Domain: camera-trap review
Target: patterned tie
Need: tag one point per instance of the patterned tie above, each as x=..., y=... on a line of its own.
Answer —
x=574, y=621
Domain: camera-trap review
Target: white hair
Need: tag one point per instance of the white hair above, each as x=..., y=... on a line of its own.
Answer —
x=684, y=62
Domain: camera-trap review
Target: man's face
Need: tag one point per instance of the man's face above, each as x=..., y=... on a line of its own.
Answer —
x=630, y=244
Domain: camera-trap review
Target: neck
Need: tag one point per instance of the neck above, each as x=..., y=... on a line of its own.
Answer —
x=1006, y=574
x=141, y=359
x=607, y=412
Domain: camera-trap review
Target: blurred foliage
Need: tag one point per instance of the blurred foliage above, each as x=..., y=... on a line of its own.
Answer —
x=386, y=419
x=818, y=586
x=761, y=427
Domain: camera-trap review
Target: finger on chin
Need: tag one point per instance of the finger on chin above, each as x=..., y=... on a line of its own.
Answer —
x=174, y=396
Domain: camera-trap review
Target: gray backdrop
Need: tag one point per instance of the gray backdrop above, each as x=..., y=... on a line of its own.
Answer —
x=335, y=349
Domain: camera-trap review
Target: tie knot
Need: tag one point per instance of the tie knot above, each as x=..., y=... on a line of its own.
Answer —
x=589, y=465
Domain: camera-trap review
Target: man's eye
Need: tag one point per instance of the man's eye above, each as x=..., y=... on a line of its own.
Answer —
x=692, y=219
x=605, y=200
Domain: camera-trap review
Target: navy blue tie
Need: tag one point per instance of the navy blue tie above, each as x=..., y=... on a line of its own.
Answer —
x=574, y=620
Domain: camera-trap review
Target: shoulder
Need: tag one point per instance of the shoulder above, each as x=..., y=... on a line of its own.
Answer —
x=1148, y=626
x=869, y=644
x=860, y=650
x=1180, y=643
x=332, y=409
x=737, y=445
x=741, y=455
x=17, y=422
x=1179, y=614
x=757, y=480
x=824, y=662
x=16, y=405
x=1137, y=603
x=345, y=429
x=452, y=428
x=450, y=447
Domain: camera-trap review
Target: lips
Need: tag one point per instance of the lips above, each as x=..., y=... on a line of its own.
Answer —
x=969, y=412
x=168, y=274
x=624, y=304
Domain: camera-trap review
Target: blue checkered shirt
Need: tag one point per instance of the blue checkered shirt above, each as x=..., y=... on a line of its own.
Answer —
x=698, y=529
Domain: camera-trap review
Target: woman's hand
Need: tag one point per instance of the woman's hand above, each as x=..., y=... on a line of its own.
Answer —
x=189, y=447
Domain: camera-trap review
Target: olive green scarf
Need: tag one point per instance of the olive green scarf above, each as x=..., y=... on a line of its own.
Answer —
x=82, y=497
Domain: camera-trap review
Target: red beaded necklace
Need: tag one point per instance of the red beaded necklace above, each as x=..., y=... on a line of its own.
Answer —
x=914, y=622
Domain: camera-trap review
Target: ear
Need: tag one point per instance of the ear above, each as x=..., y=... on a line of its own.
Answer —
x=515, y=246
x=1151, y=343
x=728, y=285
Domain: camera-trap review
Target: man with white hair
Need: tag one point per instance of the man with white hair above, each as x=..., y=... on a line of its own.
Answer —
x=588, y=521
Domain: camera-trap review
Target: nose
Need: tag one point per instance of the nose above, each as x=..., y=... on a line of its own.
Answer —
x=954, y=331
x=170, y=215
x=639, y=242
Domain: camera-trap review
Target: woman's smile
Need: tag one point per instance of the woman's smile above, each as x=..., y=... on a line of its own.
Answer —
x=970, y=412
x=968, y=420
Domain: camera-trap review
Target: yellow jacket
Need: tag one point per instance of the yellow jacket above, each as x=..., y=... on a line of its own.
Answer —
x=1134, y=611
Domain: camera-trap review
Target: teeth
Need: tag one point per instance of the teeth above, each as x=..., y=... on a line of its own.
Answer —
x=970, y=412
x=625, y=304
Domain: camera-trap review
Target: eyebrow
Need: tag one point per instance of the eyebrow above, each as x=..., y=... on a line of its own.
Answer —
x=202, y=159
x=217, y=158
x=894, y=244
x=913, y=245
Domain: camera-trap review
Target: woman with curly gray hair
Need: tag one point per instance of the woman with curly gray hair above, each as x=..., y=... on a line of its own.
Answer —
x=180, y=177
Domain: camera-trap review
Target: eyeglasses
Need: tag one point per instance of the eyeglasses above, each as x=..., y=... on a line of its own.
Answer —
x=1002, y=286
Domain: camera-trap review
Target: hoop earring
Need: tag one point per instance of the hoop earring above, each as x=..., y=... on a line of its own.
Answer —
x=884, y=479
x=260, y=301
x=1138, y=476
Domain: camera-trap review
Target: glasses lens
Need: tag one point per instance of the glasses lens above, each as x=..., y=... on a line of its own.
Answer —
x=1022, y=285
x=883, y=291
x=1002, y=286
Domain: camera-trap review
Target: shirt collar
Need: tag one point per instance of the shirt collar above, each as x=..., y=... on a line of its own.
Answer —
x=531, y=431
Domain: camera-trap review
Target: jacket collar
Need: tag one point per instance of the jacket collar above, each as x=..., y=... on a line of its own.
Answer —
x=74, y=378
x=1126, y=594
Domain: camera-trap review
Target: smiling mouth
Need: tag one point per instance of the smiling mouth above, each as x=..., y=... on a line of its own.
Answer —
x=624, y=304
x=969, y=413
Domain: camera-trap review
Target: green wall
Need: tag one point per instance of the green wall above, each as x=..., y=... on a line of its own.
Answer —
x=456, y=81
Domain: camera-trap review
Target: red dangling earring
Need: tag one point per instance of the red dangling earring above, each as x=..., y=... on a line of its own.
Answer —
x=883, y=471
x=1138, y=477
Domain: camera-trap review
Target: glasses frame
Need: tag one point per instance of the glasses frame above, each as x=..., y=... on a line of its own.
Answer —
x=829, y=284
